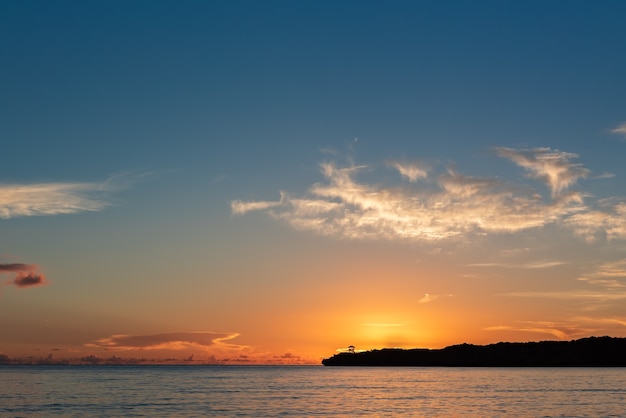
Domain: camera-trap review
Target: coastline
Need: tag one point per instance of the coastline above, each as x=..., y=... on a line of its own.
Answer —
x=585, y=352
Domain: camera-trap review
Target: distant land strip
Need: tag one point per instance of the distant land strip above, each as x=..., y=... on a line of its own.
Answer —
x=585, y=352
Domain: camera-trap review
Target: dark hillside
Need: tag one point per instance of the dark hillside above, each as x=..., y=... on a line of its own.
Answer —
x=586, y=352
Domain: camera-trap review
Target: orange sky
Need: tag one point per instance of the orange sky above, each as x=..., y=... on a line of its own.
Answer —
x=270, y=182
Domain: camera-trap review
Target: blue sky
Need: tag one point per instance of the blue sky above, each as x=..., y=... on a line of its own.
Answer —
x=135, y=132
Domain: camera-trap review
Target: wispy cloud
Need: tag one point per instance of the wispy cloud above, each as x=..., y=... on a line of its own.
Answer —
x=611, y=275
x=201, y=347
x=620, y=129
x=25, y=275
x=59, y=198
x=239, y=207
x=530, y=265
x=553, y=167
x=455, y=206
x=591, y=295
x=607, y=221
x=167, y=341
x=431, y=298
x=562, y=331
x=568, y=328
x=412, y=172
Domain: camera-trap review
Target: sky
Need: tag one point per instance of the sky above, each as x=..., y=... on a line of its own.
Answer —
x=244, y=182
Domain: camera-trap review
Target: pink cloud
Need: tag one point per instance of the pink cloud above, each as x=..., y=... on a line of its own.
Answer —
x=168, y=341
x=26, y=275
x=29, y=279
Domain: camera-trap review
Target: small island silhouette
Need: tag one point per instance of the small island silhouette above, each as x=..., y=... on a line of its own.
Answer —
x=585, y=352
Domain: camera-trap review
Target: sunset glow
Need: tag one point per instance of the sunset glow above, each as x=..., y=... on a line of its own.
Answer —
x=270, y=182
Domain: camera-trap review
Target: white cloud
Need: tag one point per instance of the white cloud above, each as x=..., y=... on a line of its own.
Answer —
x=59, y=198
x=48, y=199
x=620, y=129
x=608, y=221
x=552, y=167
x=456, y=206
x=239, y=207
x=412, y=172
x=346, y=208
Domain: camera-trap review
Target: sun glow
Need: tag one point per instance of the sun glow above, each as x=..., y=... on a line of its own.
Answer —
x=385, y=334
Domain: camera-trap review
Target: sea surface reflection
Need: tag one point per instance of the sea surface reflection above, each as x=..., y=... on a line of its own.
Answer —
x=300, y=391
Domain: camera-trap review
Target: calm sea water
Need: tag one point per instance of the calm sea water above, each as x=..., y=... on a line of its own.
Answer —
x=294, y=391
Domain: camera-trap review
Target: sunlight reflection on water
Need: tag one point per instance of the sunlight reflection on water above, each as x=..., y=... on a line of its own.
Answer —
x=228, y=391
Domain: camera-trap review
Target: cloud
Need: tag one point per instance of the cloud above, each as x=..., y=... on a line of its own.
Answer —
x=460, y=205
x=610, y=275
x=620, y=129
x=531, y=265
x=562, y=331
x=608, y=221
x=431, y=298
x=569, y=328
x=28, y=280
x=218, y=179
x=59, y=198
x=553, y=167
x=238, y=207
x=412, y=172
x=167, y=341
x=572, y=294
x=202, y=347
x=514, y=252
x=15, y=267
x=26, y=275
x=453, y=207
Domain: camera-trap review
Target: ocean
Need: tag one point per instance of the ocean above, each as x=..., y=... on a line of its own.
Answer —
x=303, y=391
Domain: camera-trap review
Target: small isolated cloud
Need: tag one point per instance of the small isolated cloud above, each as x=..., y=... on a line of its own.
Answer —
x=431, y=298
x=411, y=172
x=218, y=179
x=58, y=198
x=28, y=280
x=604, y=175
x=238, y=207
x=26, y=275
x=553, y=167
x=167, y=341
x=620, y=129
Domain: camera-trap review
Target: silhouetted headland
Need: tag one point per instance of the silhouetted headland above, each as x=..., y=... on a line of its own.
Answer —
x=586, y=352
